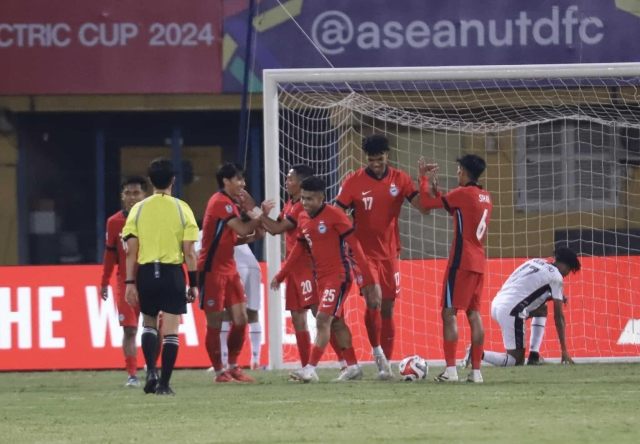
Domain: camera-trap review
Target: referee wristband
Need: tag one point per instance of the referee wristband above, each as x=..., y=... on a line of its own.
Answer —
x=130, y=281
x=257, y=211
x=193, y=279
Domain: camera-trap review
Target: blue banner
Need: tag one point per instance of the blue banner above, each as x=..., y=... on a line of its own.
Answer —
x=366, y=33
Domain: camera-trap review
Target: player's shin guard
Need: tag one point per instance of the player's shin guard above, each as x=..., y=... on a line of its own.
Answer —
x=537, y=333
x=316, y=355
x=373, y=322
x=499, y=359
x=450, y=348
x=131, y=363
x=303, y=339
x=170, y=347
x=333, y=340
x=149, y=342
x=476, y=356
x=387, y=337
x=237, y=335
x=255, y=335
x=212, y=344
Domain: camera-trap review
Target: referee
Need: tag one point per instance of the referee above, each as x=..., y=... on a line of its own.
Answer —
x=160, y=233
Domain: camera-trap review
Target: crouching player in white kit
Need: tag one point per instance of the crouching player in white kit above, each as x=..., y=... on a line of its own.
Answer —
x=523, y=296
x=251, y=277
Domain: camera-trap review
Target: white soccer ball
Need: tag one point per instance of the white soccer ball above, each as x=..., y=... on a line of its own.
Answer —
x=413, y=368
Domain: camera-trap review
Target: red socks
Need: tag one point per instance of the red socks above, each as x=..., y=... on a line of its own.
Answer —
x=350, y=356
x=235, y=341
x=450, y=352
x=131, y=363
x=476, y=356
x=333, y=340
x=212, y=344
x=373, y=322
x=387, y=337
x=316, y=355
x=303, y=339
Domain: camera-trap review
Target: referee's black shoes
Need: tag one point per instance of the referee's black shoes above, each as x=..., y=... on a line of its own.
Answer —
x=162, y=390
x=152, y=382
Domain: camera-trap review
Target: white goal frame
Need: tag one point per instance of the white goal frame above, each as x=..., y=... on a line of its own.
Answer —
x=273, y=77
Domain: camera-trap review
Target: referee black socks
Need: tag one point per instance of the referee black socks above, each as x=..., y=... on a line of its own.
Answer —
x=150, y=346
x=169, y=356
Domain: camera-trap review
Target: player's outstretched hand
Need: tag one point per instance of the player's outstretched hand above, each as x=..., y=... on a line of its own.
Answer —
x=566, y=359
x=246, y=201
x=275, y=284
x=424, y=168
x=435, y=188
x=131, y=295
x=104, y=292
x=192, y=294
x=267, y=206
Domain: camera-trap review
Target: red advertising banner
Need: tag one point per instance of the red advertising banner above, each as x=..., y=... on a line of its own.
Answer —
x=110, y=46
x=52, y=317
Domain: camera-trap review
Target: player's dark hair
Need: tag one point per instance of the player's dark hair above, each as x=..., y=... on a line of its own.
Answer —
x=134, y=180
x=161, y=172
x=313, y=183
x=228, y=170
x=374, y=145
x=473, y=164
x=302, y=171
x=568, y=257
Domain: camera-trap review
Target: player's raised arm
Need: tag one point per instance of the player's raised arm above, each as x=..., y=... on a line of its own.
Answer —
x=413, y=195
x=427, y=202
x=247, y=228
x=279, y=226
x=288, y=218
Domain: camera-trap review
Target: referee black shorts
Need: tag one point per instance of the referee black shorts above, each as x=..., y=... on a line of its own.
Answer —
x=166, y=293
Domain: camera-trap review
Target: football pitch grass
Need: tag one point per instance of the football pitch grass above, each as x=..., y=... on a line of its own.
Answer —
x=550, y=403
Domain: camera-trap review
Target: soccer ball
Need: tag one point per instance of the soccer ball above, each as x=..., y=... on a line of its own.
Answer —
x=413, y=368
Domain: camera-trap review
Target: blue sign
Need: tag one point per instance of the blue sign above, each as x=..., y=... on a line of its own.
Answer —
x=365, y=33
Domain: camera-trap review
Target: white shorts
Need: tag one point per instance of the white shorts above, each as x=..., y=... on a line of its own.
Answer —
x=514, y=329
x=251, y=279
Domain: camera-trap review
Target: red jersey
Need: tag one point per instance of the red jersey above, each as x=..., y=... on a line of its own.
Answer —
x=115, y=249
x=376, y=207
x=471, y=208
x=291, y=212
x=218, y=239
x=326, y=234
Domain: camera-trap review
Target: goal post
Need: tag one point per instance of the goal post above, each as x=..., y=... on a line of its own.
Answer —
x=562, y=144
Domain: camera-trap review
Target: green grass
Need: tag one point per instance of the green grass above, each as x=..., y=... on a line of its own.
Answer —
x=552, y=403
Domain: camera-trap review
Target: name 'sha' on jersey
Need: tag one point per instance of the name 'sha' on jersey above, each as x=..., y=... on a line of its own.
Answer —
x=376, y=204
x=532, y=284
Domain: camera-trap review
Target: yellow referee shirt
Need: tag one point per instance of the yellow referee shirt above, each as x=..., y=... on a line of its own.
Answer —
x=161, y=223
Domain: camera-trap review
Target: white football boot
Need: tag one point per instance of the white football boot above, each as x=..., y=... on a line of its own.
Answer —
x=350, y=374
x=385, y=373
x=475, y=378
x=445, y=376
x=304, y=375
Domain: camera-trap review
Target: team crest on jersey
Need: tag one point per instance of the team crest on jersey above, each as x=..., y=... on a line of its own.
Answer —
x=229, y=209
x=322, y=228
x=393, y=190
x=121, y=317
x=210, y=303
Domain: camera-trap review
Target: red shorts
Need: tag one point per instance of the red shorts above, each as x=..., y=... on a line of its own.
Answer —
x=128, y=315
x=462, y=289
x=220, y=291
x=301, y=291
x=386, y=273
x=333, y=295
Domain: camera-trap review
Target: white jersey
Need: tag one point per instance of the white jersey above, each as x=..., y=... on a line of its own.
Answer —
x=531, y=285
x=242, y=254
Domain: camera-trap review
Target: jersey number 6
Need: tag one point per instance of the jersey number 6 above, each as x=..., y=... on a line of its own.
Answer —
x=482, y=226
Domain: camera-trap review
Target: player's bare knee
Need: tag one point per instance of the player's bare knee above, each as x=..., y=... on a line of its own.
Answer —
x=324, y=321
x=214, y=319
x=252, y=316
x=130, y=332
x=299, y=320
x=387, y=308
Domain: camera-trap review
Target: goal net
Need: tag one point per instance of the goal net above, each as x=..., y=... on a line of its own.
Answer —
x=562, y=146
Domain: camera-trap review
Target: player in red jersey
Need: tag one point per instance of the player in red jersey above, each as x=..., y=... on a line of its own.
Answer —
x=470, y=207
x=375, y=194
x=301, y=294
x=133, y=190
x=325, y=230
x=220, y=285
